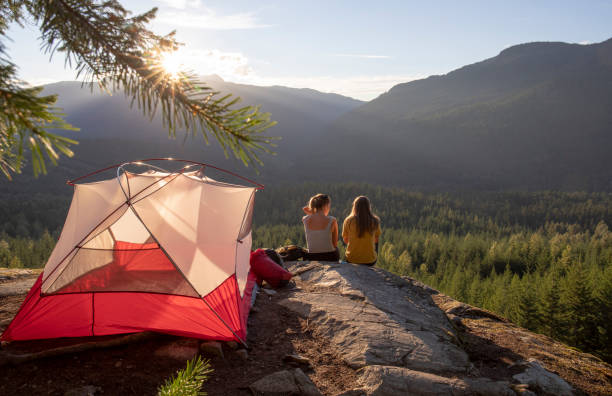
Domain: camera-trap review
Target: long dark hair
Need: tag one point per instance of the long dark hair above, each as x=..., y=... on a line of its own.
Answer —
x=365, y=220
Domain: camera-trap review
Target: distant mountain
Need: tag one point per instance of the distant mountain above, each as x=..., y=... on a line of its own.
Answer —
x=101, y=115
x=112, y=131
x=538, y=115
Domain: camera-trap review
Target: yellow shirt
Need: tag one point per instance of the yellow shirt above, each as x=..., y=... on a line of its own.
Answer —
x=359, y=250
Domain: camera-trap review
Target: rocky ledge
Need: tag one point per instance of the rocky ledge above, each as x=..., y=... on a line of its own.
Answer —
x=394, y=332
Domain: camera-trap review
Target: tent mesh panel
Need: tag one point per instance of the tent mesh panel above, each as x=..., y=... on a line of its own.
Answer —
x=128, y=267
x=122, y=258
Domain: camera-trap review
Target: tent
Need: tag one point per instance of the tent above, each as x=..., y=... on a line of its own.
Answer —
x=164, y=251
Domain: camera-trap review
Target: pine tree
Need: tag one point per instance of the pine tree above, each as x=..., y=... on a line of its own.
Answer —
x=476, y=292
x=577, y=298
x=527, y=313
x=549, y=307
x=15, y=263
x=603, y=307
x=405, y=263
x=513, y=307
x=108, y=47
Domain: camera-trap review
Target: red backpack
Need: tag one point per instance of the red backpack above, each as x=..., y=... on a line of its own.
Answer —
x=266, y=269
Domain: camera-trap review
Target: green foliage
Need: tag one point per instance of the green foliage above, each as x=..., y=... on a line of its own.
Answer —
x=549, y=306
x=188, y=381
x=20, y=252
x=108, y=47
x=25, y=121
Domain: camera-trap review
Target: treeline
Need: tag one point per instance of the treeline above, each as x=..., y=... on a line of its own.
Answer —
x=29, y=227
x=25, y=252
x=31, y=215
x=494, y=213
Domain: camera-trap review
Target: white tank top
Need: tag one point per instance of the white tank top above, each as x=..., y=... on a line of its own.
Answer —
x=319, y=241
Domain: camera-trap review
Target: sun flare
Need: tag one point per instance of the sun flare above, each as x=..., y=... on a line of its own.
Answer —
x=172, y=65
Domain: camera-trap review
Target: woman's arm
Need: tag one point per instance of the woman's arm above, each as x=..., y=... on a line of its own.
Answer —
x=334, y=230
x=307, y=210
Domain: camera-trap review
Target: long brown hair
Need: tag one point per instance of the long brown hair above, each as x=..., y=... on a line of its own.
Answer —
x=365, y=220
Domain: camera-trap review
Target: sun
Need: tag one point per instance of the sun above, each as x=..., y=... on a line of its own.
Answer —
x=172, y=65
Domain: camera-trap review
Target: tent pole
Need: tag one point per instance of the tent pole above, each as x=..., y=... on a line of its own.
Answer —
x=259, y=186
x=226, y=325
x=184, y=277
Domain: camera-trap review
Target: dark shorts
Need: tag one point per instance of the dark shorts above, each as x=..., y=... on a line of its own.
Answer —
x=325, y=256
x=368, y=264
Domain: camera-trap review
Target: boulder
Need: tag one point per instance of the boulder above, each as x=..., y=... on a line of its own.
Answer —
x=185, y=349
x=542, y=380
x=285, y=383
x=212, y=349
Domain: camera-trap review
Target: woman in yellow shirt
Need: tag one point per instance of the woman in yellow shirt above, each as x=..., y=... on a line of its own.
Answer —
x=360, y=233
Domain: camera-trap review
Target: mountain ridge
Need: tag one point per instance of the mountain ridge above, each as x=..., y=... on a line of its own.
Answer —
x=535, y=116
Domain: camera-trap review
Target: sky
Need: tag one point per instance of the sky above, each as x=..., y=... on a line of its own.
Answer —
x=354, y=48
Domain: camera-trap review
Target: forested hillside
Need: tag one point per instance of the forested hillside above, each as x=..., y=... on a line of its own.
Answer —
x=542, y=259
x=536, y=116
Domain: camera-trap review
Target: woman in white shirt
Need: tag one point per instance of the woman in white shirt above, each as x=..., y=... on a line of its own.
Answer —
x=321, y=230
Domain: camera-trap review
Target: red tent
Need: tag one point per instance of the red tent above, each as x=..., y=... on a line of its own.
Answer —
x=153, y=251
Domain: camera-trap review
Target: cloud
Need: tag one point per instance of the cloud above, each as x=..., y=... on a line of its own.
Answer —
x=192, y=14
x=363, y=56
x=38, y=81
x=181, y=4
x=228, y=65
x=237, y=67
x=362, y=87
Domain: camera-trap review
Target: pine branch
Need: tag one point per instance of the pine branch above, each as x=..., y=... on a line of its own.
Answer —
x=118, y=52
x=25, y=118
x=188, y=381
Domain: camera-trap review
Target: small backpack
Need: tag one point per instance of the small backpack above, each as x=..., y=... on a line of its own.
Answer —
x=290, y=253
x=266, y=269
x=274, y=256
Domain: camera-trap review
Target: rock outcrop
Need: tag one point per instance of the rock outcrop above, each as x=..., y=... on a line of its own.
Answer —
x=537, y=377
x=390, y=330
x=17, y=281
x=365, y=312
